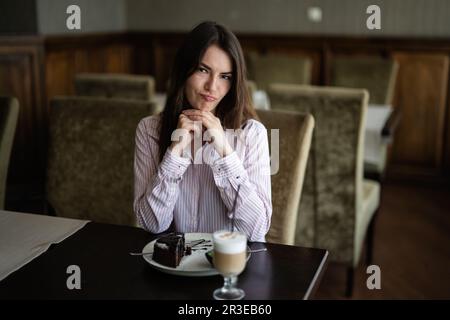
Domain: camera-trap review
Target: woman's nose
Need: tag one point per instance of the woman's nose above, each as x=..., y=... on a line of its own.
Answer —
x=211, y=84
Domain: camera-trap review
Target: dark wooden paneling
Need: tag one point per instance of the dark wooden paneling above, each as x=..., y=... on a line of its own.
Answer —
x=59, y=73
x=164, y=55
x=63, y=64
x=21, y=76
x=421, y=96
x=447, y=136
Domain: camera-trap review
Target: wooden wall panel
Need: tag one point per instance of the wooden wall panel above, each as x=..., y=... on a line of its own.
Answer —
x=118, y=59
x=59, y=73
x=63, y=65
x=165, y=52
x=421, y=96
x=21, y=76
x=447, y=137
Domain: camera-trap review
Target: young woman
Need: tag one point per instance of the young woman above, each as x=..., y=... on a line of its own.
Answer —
x=199, y=187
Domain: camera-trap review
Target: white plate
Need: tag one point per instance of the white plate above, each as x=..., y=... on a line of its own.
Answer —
x=194, y=265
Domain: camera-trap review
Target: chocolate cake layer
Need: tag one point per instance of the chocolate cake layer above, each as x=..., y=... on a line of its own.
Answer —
x=169, y=249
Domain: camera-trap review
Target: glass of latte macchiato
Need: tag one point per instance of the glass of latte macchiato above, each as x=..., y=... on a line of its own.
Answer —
x=230, y=256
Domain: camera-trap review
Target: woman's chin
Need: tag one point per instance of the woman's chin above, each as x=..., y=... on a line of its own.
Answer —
x=204, y=107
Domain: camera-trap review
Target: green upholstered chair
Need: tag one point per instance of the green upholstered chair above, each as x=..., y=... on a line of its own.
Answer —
x=278, y=68
x=9, y=114
x=291, y=155
x=376, y=74
x=110, y=85
x=91, y=156
x=337, y=203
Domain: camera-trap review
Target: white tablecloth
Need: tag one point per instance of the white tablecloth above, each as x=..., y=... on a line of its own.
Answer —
x=261, y=100
x=25, y=236
x=376, y=118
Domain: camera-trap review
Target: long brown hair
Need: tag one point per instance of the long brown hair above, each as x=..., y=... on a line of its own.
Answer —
x=234, y=109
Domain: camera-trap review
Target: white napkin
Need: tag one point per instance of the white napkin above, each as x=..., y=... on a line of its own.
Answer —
x=261, y=100
x=25, y=236
x=376, y=118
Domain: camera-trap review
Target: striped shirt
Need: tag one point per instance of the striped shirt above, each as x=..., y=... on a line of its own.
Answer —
x=198, y=196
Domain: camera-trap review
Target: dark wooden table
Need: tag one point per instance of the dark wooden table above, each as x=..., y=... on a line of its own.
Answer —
x=109, y=272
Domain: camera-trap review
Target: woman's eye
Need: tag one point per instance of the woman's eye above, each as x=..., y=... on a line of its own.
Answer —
x=226, y=77
x=201, y=69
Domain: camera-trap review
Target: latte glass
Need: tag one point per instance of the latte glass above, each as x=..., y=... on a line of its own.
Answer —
x=230, y=251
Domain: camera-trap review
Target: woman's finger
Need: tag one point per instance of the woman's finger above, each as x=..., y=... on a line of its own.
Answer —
x=193, y=127
x=192, y=112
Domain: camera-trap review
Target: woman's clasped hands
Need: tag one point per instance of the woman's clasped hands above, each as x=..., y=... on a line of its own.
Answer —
x=193, y=123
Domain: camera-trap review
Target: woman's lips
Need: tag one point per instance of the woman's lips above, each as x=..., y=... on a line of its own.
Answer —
x=208, y=98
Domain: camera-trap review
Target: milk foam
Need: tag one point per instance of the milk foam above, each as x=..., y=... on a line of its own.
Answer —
x=229, y=242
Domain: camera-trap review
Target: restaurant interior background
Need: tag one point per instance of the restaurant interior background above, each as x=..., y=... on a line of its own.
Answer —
x=40, y=58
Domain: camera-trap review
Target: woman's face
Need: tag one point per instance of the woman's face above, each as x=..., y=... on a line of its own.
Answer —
x=211, y=81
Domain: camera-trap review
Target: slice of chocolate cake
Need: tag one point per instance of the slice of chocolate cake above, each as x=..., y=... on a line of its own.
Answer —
x=169, y=249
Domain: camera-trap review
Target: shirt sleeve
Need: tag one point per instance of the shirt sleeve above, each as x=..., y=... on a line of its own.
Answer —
x=156, y=185
x=253, y=209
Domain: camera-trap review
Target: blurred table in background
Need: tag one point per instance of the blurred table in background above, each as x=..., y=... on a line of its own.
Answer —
x=376, y=118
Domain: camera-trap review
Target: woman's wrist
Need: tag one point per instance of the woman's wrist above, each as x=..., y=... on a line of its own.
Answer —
x=227, y=150
x=176, y=149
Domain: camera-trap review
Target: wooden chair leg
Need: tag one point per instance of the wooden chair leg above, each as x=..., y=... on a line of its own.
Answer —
x=349, y=287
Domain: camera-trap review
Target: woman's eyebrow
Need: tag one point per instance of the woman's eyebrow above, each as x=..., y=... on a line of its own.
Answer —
x=204, y=65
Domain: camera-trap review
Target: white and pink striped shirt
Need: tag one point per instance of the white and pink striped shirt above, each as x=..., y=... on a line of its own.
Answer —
x=199, y=197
